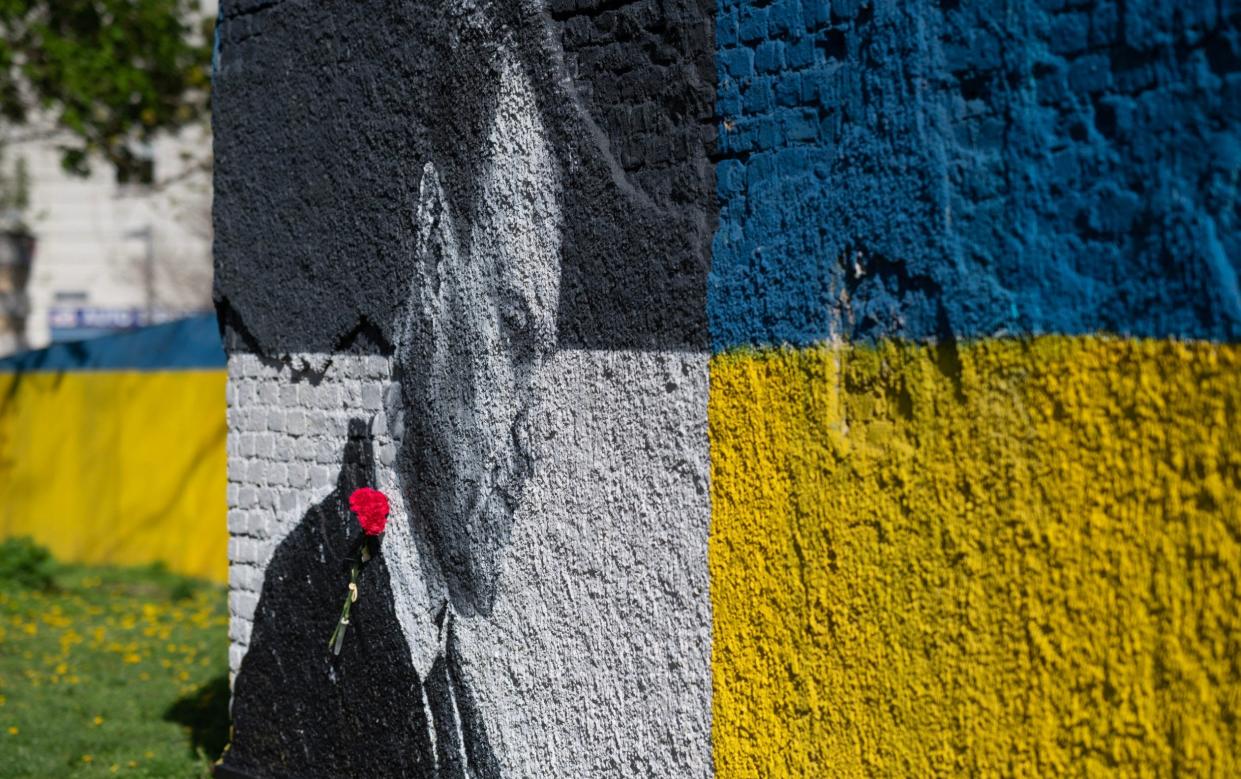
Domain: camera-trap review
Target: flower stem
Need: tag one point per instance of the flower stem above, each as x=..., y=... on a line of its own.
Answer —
x=338, y=635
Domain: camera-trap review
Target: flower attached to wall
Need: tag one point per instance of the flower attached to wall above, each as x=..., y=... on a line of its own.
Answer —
x=371, y=508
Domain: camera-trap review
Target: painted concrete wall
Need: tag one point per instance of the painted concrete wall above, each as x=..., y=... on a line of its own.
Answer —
x=974, y=393
x=461, y=256
x=112, y=451
x=764, y=389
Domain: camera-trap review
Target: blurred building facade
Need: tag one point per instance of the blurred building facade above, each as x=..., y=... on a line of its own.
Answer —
x=107, y=254
x=16, y=251
x=86, y=256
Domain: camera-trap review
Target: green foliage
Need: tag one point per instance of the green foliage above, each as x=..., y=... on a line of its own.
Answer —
x=112, y=675
x=26, y=565
x=113, y=73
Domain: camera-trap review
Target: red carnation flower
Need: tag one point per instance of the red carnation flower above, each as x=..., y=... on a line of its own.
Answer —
x=371, y=506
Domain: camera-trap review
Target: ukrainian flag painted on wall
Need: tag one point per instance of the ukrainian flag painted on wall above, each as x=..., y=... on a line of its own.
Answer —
x=976, y=391
x=112, y=451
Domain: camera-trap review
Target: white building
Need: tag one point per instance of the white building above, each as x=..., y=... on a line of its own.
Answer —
x=111, y=255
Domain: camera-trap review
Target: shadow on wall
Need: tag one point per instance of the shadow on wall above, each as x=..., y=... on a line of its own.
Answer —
x=365, y=712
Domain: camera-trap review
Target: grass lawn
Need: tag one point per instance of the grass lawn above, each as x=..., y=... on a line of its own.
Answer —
x=112, y=672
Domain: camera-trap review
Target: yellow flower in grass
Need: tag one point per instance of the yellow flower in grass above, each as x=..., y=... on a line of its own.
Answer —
x=88, y=758
x=13, y=731
x=133, y=658
x=97, y=721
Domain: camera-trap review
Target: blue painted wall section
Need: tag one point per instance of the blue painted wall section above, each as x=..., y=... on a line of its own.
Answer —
x=966, y=169
x=192, y=343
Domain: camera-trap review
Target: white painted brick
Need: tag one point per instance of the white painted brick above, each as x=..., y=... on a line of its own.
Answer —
x=325, y=451
x=295, y=422
x=353, y=394
x=278, y=474
x=256, y=472
x=236, y=525
x=376, y=367
x=268, y=393
x=320, y=477
x=264, y=443
x=231, y=492
x=247, y=497
x=298, y=477
x=264, y=520
x=247, y=603
x=316, y=422
x=329, y=395
x=289, y=503
x=267, y=498
x=283, y=444
x=248, y=578
x=247, y=551
x=256, y=419
x=239, y=630
x=339, y=427
x=288, y=395
x=372, y=396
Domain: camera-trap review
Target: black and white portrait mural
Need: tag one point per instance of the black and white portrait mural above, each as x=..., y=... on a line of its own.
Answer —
x=461, y=258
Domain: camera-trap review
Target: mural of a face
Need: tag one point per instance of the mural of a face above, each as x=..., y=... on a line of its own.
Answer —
x=479, y=321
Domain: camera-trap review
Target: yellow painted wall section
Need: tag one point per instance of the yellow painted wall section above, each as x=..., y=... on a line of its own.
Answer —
x=1011, y=558
x=117, y=467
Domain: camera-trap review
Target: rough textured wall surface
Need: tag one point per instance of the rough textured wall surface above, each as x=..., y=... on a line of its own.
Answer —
x=595, y=659
x=326, y=113
x=965, y=278
x=956, y=528
x=1019, y=558
x=461, y=253
x=929, y=168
